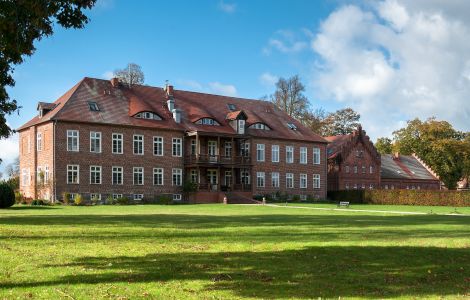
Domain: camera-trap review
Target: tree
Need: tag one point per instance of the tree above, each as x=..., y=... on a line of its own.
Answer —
x=384, y=145
x=130, y=75
x=315, y=120
x=343, y=121
x=21, y=24
x=289, y=97
x=13, y=169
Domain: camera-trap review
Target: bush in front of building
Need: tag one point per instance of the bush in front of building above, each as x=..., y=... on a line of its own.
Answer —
x=123, y=201
x=78, y=200
x=66, y=198
x=403, y=197
x=39, y=202
x=7, y=195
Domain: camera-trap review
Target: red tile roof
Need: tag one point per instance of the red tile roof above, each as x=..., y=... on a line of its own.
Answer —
x=119, y=105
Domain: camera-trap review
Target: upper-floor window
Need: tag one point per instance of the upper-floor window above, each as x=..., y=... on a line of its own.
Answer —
x=25, y=177
x=157, y=176
x=241, y=126
x=371, y=169
x=292, y=126
x=347, y=169
x=275, y=179
x=93, y=106
x=260, y=152
x=73, y=174
x=228, y=149
x=207, y=121
x=95, y=174
x=303, y=181
x=260, y=179
x=72, y=140
x=117, y=175
x=95, y=142
x=316, y=181
x=289, y=154
x=355, y=169
x=290, y=180
x=303, y=155
x=260, y=126
x=177, y=177
x=39, y=141
x=275, y=153
x=138, y=144
x=177, y=147
x=193, y=147
x=158, y=145
x=316, y=156
x=148, y=115
x=245, y=149
x=363, y=169
x=138, y=175
x=117, y=143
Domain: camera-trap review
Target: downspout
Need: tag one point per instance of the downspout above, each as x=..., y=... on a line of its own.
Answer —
x=54, y=197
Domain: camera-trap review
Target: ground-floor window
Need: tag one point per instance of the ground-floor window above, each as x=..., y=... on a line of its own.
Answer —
x=177, y=177
x=138, y=174
x=95, y=197
x=245, y=176
x=177, y=197
x=260, y=179
x=117, y=196
x=117, y=175
x=158, y=176
x=138, y=197
x=95, y=174
x=303, y=181
x=73, y=174
x=290, y=180
x=228, y=178
x=194, y=176
x=275, y=179
x=303, y=197
x=316, y=181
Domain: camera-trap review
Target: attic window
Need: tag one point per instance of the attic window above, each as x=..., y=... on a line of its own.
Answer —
x=93, y=106
x=207, y=121
x=292, y=126
x=231, y=106
x=148, y=116
x=260, y=126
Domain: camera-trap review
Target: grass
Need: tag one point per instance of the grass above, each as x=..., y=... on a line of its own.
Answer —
x=231, y=251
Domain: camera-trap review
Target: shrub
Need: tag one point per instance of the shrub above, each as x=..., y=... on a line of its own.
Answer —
x=78, y=200
x=295, y=198
x=66, y=198
x=18, y=197
x=7, y=195
x=165, y=199
x=38, y=202
x=122, y=200
x=109, y=200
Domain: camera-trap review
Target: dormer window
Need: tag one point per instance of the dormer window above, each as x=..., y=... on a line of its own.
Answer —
x=260, y=126
x=93, y=106
x=292, y=126
x=232, y=107
x=148, y=115
x=207, y=121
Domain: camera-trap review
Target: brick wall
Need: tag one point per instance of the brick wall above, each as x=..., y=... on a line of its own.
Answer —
x=403, y=184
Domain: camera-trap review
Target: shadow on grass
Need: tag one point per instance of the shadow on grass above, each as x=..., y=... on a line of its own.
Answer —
x=31, y=207
x=331, y=272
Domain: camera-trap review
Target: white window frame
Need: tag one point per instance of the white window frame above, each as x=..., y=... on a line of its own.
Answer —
x=371, y=169
x=39, y=141
x=138, y=197
x=136, y=171
x=260, y=179
x=46, y=173
x=118, y=140
x=95, y=137
x=275, y=153
x=70, y=137
x=275, y=180
x=177, y=197
x=139, y=139
x=95, y=169
x=156, y=172
x=260, y=153
x=158, y=146
x=117, y=170
x=117, y=196
x=25, y=177
x=177, y=147
x=70, y=168
x=178, y=180
x=303, y=183
x=290, y=150
x=316, y=156
x=290, y=179
x=316, y=181
x=303, y=155
x=95, y=196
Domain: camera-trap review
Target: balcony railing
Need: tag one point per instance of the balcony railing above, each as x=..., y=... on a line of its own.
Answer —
x=203, y=187
x=216, y=159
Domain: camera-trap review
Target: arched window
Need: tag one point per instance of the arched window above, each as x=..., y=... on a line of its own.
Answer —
x=260, y=126
x=148, y=115
x=207, y=121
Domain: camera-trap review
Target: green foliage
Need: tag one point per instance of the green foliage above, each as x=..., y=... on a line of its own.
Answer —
x=109, y=200
x=18, y=197
x=39, y=202
x=164, y=199
x=123, y=200
x=7, y=195
x=295, y=198
x=384, y=145
x=78, y=200
x=403, y=197
x=343, y=121
x=66, y=197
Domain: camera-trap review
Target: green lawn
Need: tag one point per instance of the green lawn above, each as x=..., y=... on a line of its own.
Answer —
x=231, y=251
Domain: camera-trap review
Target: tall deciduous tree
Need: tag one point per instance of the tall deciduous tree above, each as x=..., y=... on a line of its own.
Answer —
x=130, y=75
x=289, y=97
x=384, y=145
x=343, y=121
x=21, y=24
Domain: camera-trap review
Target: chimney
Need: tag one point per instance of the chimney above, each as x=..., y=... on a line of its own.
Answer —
x=177, y=115
x=114, y=82
x=169, y=90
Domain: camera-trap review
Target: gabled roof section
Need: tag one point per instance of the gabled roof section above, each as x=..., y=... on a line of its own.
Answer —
x=404, y=167
x=236, y=115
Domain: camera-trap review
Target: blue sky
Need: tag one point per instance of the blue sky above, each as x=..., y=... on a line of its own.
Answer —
x=391, y=60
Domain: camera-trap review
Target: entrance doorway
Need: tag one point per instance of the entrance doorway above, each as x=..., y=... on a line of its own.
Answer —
x=213, y=179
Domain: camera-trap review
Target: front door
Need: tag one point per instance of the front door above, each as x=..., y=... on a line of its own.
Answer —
x=212, y=179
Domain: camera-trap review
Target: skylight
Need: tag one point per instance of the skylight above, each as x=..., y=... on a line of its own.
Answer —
x=292, y=126
x=93, y=106
x=231, y=106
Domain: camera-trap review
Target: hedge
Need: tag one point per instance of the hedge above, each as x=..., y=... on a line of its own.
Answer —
x=403, y=197
x=7, y=195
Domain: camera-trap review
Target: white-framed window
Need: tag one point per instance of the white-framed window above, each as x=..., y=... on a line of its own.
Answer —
x=260, y=152
x=363, y=169
x=194, y=175
x=303, y=155
x=148, y=115
x=260, y=126
x=73, y=196
x=95, y=197
x=303, y=181
x=207, y=121
x=275, y=153
x=245, y=149
x=157, y=176
x=177, y=147
x=38, y=175
x=289, y=154
x=355, y=169
x=39, y=141
x=138, y=197
x=95, y=142
x=158, y=145
x=117, y=196
x=289, y=180
x=95, y=174
x=177, y=175
x=25, y=177
x=193, y=147
x=371, y=169
x=72, y=140
x=73, y=174
x=46, y=174
x=241, y=126
x=316, y=181
x=347, y=169
x=177, y=197
x=275, y=179
x=117, y=175
x=260, y=179
x=117, y=143
x=316, y=156
x=138, y=175
x=227, y=178
x=244, y=176
x=371, y=186
x=138, y=141
x=228, y=149
x=347, y=186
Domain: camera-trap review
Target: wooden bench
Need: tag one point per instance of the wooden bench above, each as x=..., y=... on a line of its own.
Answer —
x=343, y=204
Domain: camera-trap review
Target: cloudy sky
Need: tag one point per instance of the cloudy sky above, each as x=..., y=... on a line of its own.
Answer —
x=390, y=60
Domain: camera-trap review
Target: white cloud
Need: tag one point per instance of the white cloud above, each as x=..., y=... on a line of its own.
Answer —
x=396, y=61
x=227, y=7
x=224, y=89
x=287, y=41
x=269, y=79
x=190, y=84
x=108, y=75
x=10, y=150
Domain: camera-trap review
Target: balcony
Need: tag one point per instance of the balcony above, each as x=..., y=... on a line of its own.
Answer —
x=204, y=159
